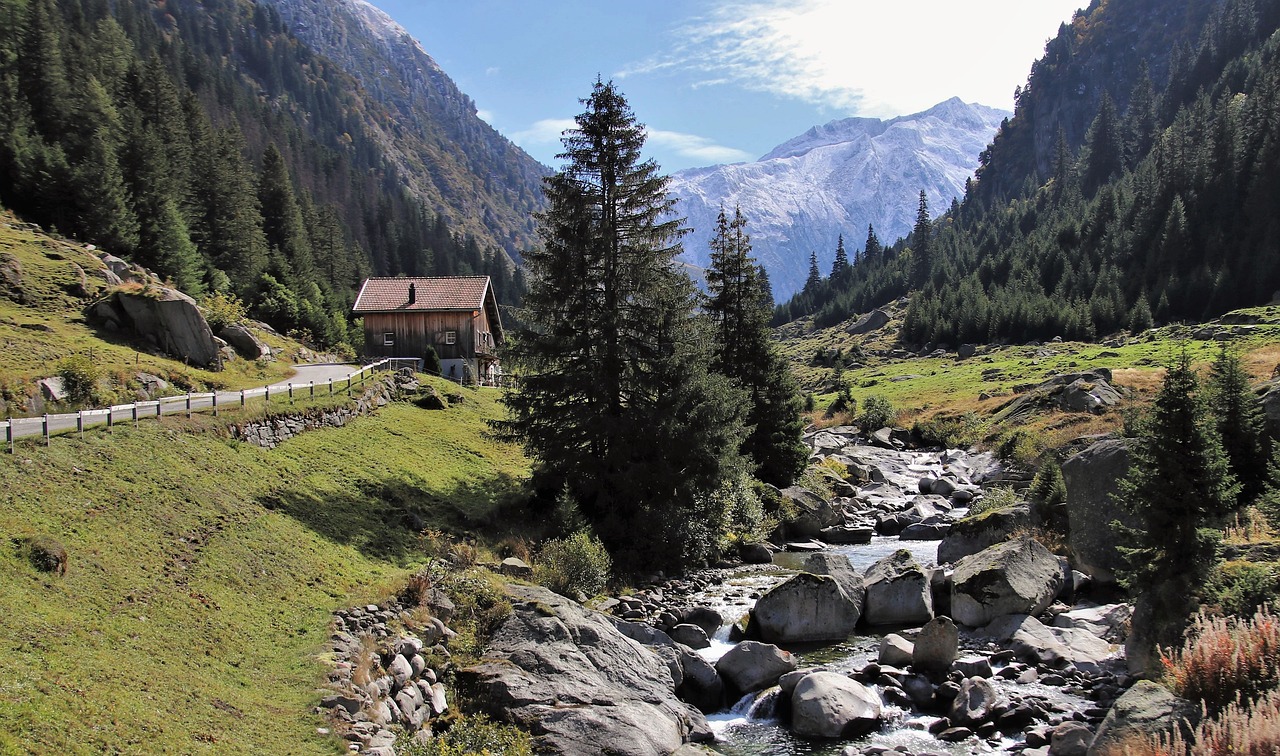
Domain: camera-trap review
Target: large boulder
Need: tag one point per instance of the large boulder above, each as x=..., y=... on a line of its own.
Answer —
x=838, y=567
x=751, y=666
x=937, y=645
x=830, y=705
x=898, y=592
x=578, y=685
x=1145, y=711
x=1035, y=643
x=872, y=321
x=970, y=535
x=167, y=317
x=806, y=608
x=1014, y=577
x=1092, y=478
x=975, y=702
x=701, y=685
x=245, y=343
x=813, y=513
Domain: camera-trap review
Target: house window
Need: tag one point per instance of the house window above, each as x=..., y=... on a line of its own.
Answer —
x=450, y=337
x=388, y=338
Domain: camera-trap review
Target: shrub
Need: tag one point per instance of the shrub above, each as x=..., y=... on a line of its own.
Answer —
x=431, y=362
x=45, y=554
x=745, y=520
x=475, y=734
x=79, y=378
x=1020, y=447
x=1241, y=588
x=574, y=566
x=951, y=432
x=844, y=402
x=877, y=413
x=1223, y=660
x=1240, y=729
x=835, y=467
x=993, y=499
x=222, y=310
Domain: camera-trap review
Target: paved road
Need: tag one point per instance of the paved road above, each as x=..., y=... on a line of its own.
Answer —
x=306, y=374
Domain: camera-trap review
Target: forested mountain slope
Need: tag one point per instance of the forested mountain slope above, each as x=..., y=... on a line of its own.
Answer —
x=1168, y=210
x=206, y=142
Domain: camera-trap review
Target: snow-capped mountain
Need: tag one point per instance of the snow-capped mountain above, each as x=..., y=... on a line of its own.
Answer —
x=836, y=179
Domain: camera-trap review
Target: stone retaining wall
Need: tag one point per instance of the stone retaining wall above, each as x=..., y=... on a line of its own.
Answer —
x=273, y=431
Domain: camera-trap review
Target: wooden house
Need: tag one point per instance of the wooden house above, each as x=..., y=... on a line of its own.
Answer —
x=457, y=316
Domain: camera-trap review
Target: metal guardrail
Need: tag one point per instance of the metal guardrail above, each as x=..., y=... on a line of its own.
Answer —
x=48, y=426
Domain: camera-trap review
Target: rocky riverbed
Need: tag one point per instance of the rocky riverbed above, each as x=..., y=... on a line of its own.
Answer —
x=854, y=638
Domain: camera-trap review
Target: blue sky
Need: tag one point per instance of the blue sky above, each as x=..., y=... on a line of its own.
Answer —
x=721, y=81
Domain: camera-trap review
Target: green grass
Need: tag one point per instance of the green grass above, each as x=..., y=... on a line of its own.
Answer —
x=203, y=571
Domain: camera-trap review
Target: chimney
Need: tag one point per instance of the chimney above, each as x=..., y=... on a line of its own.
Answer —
x=413, y=293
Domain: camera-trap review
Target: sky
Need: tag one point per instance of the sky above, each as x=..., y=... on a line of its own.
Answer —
x=724, y=81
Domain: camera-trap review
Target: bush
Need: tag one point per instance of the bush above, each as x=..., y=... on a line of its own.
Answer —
x=574, y=566
x=1240, y=729
x=79, y=378
x=222, y=310
x=877, y=413
x=951, y=432
x=431, y=362
x=475, y=734
x=844, y=402
x=993, y=499
x=1241, y=588
x=1020, y=447
x=1223, y=660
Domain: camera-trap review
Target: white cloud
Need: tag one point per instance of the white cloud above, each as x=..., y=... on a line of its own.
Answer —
x=546, y=131
x=485, y=115
x=492, y=71
x=694, y=146
x=866, y=56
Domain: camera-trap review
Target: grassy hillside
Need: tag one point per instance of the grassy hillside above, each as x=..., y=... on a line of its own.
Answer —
x=203, y=571
x=921, y=388
x=43, y=321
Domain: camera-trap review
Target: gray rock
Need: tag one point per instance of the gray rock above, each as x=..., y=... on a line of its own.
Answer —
x=969, y=535
x=515, y=567
x=244, y=342
x=895, y=650
x=701, y=686
x=52, y=389
x=690, y=635
x=933, y=529
x=1144, y=711
x=974, y=703
x=972, y=666
x=872, y=321
x=755, y=553
x=937, y=646
x=847, y=534
x=1109, y=622
x=1092, y=478
x=400, y=669
x=1070, y=739
x=1036, y=643
x=578, y=685
x=704, y=617
x=898, y=592
x=1015, y=577
x=751, y=666
x=813, y=513
x=830, y=705
x=172, y=319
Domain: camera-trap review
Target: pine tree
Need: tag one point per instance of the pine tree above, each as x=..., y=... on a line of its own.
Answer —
x=922, y=244
x=740, y=308
x=615, y=401
x=282, y=221
x=1180, y=487
x=814, y=280
x=840, y=267
x=1104, y=147
x=872, y=248
x=1240, y=422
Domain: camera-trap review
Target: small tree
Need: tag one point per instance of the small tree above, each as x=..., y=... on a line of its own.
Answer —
x=1240, y=422
x=1180, y=487
x=79, y=378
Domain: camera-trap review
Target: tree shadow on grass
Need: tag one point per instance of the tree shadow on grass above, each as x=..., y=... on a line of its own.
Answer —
x=385, y=519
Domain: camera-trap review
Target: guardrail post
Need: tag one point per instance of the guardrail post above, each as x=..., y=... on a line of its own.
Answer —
x=80, y=423
x=241, y=397
x=290, y=387
x=188, y=405
x=267, y=394
x=330, y=387
x=133, y=412
x=46, y=429
x=313, y=388
x=8, y=432
x=215, y=402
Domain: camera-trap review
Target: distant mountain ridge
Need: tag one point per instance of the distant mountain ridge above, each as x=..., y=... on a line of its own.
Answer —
x=836, y=179
x=476, y=177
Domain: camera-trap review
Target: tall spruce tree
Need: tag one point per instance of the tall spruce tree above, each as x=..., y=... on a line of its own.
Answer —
x=840, y=266
x=616, y=403
x=922, y=244
x=740, y=307
x=1180, y=487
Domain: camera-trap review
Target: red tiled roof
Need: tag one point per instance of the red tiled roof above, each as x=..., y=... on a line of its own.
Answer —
x=450, y=293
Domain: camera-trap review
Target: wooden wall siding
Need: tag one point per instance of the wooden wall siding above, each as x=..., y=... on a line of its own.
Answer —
x=416, y=330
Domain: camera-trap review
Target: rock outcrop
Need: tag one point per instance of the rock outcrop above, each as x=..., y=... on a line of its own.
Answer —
x=969, y=535
x=1144, y=711
x=566, y=674
x=1092, y=478
x=165, y=317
